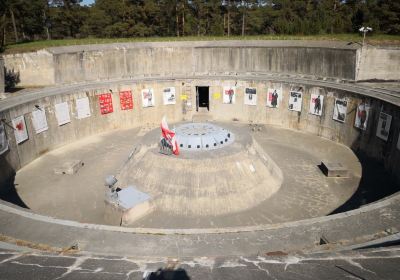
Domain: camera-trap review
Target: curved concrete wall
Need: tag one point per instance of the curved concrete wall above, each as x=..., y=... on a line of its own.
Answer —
x=323, y=126
x=99, y=62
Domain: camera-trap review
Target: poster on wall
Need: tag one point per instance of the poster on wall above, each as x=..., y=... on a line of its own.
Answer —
x=20, y=131
x=274, y=97
x=340, y=110
x=148, y=99
x=169, y=96
x=362, y=114
x=39, y=120
x=3, y=139
x=83, y=108
x=316, y=104
x=126, y=100
x=384, y=126
x=250, y=96
x=295, y=101
x=62, y=113
x=105, y=102
x=229, y=95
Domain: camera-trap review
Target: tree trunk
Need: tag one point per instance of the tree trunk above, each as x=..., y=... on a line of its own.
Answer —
x=177, y=20
x=3, y=37
x=46, y=21
x=14, y=25
x=243, y=24
x=224, y=24
x=183, y=19
x=229, y=25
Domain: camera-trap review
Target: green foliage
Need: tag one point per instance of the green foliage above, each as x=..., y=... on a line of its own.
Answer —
x=28, y=20
x=11, y=79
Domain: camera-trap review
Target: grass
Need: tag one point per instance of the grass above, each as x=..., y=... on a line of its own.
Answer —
x=376, y=39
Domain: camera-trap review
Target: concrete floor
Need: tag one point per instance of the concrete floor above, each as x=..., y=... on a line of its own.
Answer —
x=304, y=193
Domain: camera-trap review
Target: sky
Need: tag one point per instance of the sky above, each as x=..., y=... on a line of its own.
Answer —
x=87, y=2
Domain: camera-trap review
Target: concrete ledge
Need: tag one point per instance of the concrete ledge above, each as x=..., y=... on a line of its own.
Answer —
x=342, y=230
x=32, y=95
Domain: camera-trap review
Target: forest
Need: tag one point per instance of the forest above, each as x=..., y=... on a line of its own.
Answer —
x=31, y=20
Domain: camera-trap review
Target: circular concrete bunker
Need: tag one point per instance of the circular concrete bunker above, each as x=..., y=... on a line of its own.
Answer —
x=268, y=175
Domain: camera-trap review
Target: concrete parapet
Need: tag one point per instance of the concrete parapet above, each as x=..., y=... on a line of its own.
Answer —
x=378, y=64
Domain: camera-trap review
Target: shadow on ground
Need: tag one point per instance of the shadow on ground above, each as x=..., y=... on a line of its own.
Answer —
x=376, y=183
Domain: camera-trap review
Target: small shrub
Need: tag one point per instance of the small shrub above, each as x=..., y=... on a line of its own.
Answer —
x=11, y=79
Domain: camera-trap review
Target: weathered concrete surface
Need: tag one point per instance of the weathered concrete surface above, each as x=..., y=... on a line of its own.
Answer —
x=323, y=126
x=378, y=63
x=216, y=182
x=374, y=264
x=101, y=62
x=340, y=230
x=35, y=68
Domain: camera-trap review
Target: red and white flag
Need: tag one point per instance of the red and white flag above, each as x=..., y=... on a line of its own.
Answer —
x=169, y=135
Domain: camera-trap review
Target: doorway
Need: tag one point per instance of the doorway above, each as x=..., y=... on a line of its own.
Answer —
x=202, y=98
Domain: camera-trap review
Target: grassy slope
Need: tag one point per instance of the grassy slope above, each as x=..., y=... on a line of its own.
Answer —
x=37, y=45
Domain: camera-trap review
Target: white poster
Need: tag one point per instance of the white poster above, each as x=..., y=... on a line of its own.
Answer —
x=274, y=97
x=295, y=101
x=316, y=104
x=169, y=96
x=250, y=96
x=3, y=139
x=362, y=114
x=39, y=120
x=384, y=126
x=83, y=108
x=20, y=131
x=229, y=95
x=340, y=110
x=62, y=113
x=398, y=142
x=148, y=98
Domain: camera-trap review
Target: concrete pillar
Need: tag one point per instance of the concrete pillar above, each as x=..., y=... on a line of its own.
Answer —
x=2, y=74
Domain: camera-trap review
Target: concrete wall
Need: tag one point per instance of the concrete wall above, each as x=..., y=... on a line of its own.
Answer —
x=35, y=68
x=323, y=126
x=378, y=63
x=114, y=61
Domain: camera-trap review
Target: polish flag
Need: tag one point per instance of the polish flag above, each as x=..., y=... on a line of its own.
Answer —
x=169, y=135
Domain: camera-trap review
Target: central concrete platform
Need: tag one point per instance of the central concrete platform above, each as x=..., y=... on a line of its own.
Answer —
x=264, y=177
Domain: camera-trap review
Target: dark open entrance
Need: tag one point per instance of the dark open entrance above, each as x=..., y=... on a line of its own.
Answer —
x=202, y=98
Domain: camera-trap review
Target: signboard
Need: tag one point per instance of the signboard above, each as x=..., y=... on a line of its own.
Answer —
x=39, y=120
x=295, y=101
x=340, y=110
x=3, y=139
x=126, y=100
x=274, y=97
x=169, y=96
x=216, y=95
x=229, y=96
x=316, y=104
x=105, y=102
x=62, y=113
x=20, y=131
x=148, y=98
x=384, y=126
x=250, y=96
x=83, y=108
x=362, y=115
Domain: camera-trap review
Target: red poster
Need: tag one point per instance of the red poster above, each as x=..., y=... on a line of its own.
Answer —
x=125, y=98
x=106, y=105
